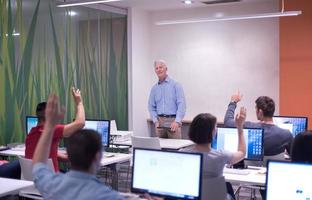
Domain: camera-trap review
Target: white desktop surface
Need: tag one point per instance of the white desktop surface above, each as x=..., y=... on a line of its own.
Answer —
x=116, y=158
x=255, y=177
x=13, y=152
x=174, y=144
x=13, y=186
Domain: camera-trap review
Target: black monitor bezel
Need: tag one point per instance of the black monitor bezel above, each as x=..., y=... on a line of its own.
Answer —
x=284, y=116
x=137, y=190
x=108, y=135
x=262, y=140
x=26, y=120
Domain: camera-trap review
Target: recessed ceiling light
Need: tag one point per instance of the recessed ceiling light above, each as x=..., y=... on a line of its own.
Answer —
x=187, y=2
x=72, y=13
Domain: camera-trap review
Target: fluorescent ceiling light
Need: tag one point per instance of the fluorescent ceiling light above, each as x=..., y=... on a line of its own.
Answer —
x=188, y=2
x=229, y=18
x=81, y=3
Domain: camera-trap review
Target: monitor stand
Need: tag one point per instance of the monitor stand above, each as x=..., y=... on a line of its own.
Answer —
x=240, y=165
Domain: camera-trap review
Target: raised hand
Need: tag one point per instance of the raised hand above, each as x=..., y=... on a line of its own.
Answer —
x=237, y=97
x=53, y=113
x=76, y=94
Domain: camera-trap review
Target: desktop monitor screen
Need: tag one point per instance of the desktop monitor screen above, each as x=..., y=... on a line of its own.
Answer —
x=294, y=124
x=176, y=175
x=102, y=127
x=31, y=121
x=227, y=139
x=288, y=181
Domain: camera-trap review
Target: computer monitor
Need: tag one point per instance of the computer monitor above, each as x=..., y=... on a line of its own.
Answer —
x=102, y=127
x=288, y=181
x=31, y=121
x=176, y=175
x=294, y=124
x=227, y=139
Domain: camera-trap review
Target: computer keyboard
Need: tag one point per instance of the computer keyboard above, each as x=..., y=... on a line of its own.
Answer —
x=235, y=171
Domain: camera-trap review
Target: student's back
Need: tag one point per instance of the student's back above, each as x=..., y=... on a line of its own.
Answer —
x=72, y=185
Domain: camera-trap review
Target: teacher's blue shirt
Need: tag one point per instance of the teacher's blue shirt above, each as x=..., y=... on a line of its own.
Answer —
x=167, y=98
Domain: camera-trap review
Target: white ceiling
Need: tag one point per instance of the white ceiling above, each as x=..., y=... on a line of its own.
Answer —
x=157, y=5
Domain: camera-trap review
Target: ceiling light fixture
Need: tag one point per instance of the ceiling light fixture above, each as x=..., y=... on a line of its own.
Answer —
x=187, y=2
x=220, y=17
x=229, y=18
x=81, y=3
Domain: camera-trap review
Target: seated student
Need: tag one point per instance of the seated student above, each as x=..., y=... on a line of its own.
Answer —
x=301, y=150
x=202, y=131
x=276, y=139
x=10, y=169
x=60, y=131
x=84, y=151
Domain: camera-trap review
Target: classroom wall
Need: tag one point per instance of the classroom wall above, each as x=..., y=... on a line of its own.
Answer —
x=141, y=66
x=213, y=60
x=296, y=61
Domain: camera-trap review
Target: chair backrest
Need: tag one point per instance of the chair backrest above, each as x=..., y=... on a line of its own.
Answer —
x=145, y=142
x=280, y=157
x=26, y=168
x=213, y=188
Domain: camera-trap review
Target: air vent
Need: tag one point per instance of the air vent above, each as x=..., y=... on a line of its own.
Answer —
x=218, y=1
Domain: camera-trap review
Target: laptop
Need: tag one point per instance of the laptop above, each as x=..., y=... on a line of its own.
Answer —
x=288, y=181
x=174, y=175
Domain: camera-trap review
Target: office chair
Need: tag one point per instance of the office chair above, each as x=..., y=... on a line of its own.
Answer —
x=26, y=174
x=214, y=188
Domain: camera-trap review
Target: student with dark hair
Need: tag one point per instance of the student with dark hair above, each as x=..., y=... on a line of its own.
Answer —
x=301, y=150
x=202, y=130
x=276, y=140
x=60, y=130
x=84, y=152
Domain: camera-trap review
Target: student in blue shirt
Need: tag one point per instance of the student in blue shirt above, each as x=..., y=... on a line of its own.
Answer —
x=84, y=150
x=166, y=104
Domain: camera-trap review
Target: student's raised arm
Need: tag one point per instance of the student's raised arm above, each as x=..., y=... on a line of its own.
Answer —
x=53, y=114
x=79, y=121
x=229, y=120
x=241, y=149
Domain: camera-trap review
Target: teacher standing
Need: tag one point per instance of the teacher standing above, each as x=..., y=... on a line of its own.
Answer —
x=166, y=104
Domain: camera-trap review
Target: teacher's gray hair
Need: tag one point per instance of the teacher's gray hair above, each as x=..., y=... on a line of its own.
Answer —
x=160, y=61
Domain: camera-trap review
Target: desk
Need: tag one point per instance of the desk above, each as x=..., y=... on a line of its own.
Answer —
x=13, y=186
x=253, y=178
x=173, y=144
x=116, y=158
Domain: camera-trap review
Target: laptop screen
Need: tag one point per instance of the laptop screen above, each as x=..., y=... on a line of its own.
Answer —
x=175, y=175
x=31, y=121
x=288, y=181
x=294, y=124
x=102, y=127
x=227, y=139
